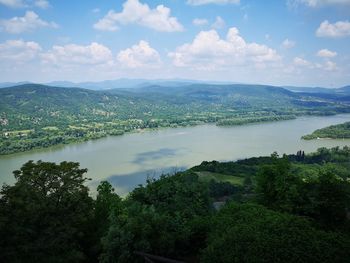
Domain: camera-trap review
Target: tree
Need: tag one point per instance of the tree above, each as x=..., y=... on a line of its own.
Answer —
x=329, y=198
x=44, y=215
x=107, y=202
x=325, y=196
x=167, y=217
x=277, y=187
x=253, y=233
x=108, y=206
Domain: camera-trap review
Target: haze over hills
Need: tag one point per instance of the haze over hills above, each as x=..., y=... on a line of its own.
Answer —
x=141, y=85
x=12, y=84
x=310, y=89
x=118, y=83
x=340, y=90
x=125, y=83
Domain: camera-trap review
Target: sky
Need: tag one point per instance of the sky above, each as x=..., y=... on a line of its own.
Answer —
x=276, y=42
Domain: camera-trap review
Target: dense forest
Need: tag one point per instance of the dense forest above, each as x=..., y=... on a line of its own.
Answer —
x=339, y=131
x=36, y=116
x=290, y=208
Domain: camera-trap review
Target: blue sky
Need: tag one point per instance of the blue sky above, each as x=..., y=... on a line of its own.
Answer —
x=279, y=42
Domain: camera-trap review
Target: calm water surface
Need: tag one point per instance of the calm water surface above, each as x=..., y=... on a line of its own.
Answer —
x=127, y=160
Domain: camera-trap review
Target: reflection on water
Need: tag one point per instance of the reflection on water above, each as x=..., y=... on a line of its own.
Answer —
x=127, y=160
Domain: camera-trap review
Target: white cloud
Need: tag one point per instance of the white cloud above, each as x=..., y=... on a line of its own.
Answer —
x=140, y=55
x=338, y=29
x=135, y=12
x=73, y=54
x=318, y=3
x=219, y=23
x=200, y=22
x=288, y=43
x=302, y=62
x=330, y=66
x=29, y=22
x=13, y=3
x=107, y=23
x=22, y=56
x=205, y=2
x=19, y=51
x=325, y=53
x=42, y=4
x=208, y=51
x=25, y=3
x=327, y=65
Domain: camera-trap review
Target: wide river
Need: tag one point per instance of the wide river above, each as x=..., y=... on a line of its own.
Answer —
x=127, y=160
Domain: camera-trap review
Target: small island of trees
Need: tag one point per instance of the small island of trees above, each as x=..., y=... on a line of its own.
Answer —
x=339, y=131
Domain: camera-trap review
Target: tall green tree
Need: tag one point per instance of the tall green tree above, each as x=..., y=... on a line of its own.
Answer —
x=45, y=214
x=108, y=206
x=107, y=202
x=277, y=187
x=329, y=198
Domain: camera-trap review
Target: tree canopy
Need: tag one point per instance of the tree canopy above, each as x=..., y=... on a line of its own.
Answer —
x=43, y=216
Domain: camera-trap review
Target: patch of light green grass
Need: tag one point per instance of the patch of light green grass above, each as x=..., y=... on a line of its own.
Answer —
x=206, y=176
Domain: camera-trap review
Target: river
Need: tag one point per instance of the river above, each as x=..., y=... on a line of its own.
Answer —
x=127, y=160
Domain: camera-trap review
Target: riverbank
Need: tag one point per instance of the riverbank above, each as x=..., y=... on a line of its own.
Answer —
x=29, y=141
x=128, y=160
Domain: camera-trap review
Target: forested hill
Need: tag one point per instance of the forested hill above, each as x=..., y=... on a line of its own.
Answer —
x=236, y=95
x=28, y=97
x=39, y=100
x=33, y=97
x=41, y=116
x=223, y=90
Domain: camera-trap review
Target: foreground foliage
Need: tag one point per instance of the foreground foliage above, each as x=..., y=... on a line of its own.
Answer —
x=45, y=216
x=252, y=233
x=285, y=209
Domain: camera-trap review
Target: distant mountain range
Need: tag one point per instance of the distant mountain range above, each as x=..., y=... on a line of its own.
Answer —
x=118, y=83
x=141, y=83
x=342, y=90
x=13, y=84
